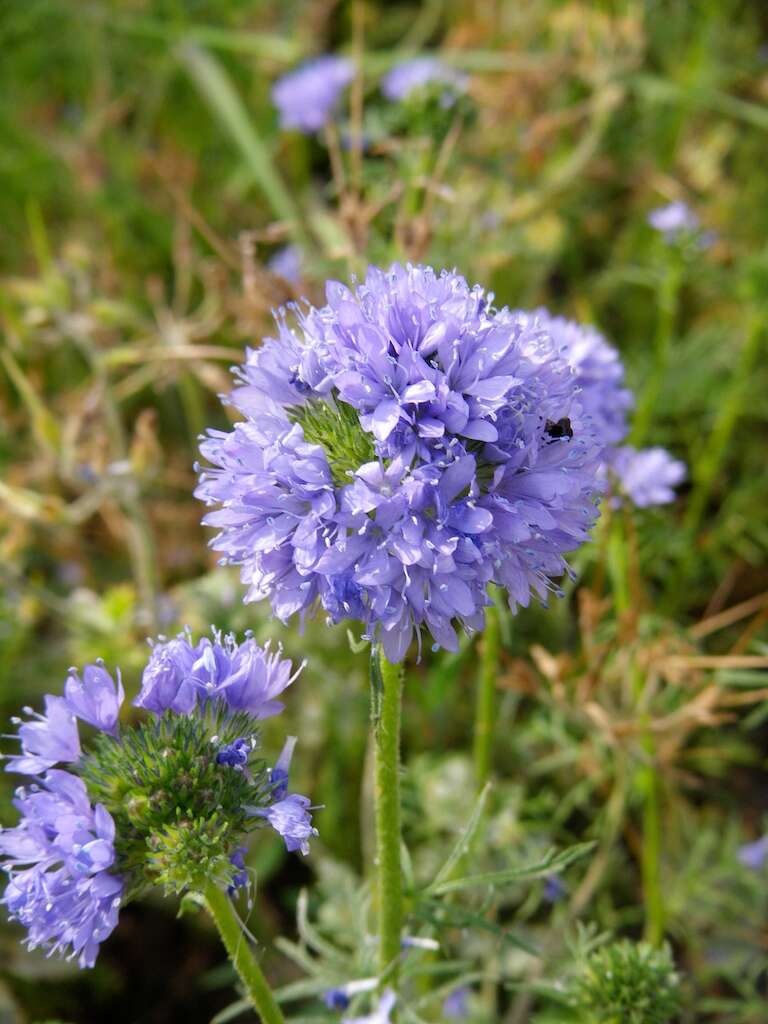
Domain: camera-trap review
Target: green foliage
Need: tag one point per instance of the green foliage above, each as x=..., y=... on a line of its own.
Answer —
x=627, y=983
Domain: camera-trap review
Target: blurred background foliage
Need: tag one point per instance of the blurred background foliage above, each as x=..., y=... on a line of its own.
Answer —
x=144, y=189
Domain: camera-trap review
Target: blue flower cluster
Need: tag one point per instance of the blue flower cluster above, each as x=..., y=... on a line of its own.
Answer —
x=403, y=447
x=65, y=884
x=306, y=97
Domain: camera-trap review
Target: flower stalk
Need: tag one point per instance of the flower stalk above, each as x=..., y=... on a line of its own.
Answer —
x=236, y=943
x=386, y=734
x=485, y=707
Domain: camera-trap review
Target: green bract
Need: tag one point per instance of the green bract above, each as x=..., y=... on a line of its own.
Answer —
x=179, y=814
x=628, y=983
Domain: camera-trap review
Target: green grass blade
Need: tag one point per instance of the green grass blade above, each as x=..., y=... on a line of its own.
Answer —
x=220, y=94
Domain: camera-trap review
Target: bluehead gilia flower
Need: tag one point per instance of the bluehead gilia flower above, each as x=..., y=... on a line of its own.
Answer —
x=288, y=813
x=286, y=263
x=307, y=96
x=402, y=449
x=167, y=802
x=673, y=220
x=753, y=855
x=181, y=674
x=59, y=858
x=456, y=1004
x=409, y=76
x=647, y=476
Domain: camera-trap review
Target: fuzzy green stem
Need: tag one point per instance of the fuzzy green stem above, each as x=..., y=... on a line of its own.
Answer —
x=386, y=727
x=668, y=296
x=651, y=853
x=485, y=706
x=236, y=943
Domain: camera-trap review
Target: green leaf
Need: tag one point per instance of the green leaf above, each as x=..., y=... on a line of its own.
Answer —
x=464, y=841
x=552, y=863
x=220, y=94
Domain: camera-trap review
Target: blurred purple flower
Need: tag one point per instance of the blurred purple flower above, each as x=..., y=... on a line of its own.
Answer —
x=58, y=858
x=95, y=698
x=648, y=476
x=674, y=220
x=287, y=263
x=456, y=1003
x=753, y=855
x=47, y=740
x=400, y=453
x=306, y=97
x=247, y=677
x=406, y=78
x=554, y=889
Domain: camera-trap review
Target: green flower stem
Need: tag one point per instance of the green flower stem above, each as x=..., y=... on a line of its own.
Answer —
x=651, y=852
x=668, y=299
x=485, y=707
x=386, y=726
x=236, y=944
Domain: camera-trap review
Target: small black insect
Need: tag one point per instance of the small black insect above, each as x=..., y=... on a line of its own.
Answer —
x=560, y=429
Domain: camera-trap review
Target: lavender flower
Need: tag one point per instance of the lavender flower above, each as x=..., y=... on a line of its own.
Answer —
x=381, y=1013
x=95, y=698
x=247, y=677
x=288, y=814
x=406, y=78
x=240, y=878
x=286, y=263
x=599, y=371
x=753, y=855
x=291, y=819
x=456, y=1004
x=648, y=476
x=555, y=889
x=399, y=453
x=47, y=740
x=305, y=98
x=58, y=860
x=674, y=220
x=164, y=802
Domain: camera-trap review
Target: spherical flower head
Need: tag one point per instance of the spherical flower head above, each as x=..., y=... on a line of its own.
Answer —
x=410, y=76
x=400, y=451
x=166, y=802
x=306, y=97
x=181, y=675
x=599, y=371
x=647, y=476
x=58, y=859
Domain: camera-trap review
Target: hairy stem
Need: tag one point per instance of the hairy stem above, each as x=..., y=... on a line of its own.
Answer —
x=485, y=706
x=243, y=960
x=386, y=726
